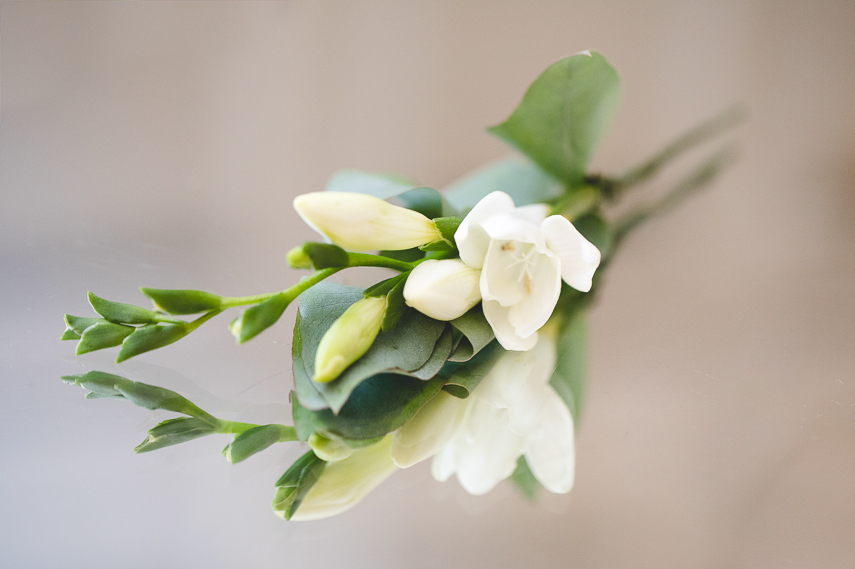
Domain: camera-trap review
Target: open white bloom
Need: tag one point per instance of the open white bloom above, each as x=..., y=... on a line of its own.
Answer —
x=513, y=412
x=360, y=222
x=345, y=482
x=523, y=256
x=443, y=290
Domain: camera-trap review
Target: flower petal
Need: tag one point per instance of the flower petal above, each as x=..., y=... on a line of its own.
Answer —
x=552, y=455
x=499, y=318
x=526, y=414
x=579, y=257
x=432, y=427
x=534, y=309
x=535, y=212
x=499, y=275
x=472, y=241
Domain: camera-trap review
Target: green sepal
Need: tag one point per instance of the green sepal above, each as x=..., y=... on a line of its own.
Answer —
x=122, y=313
x=150, y=337
x=183, y=301
x=255, y=440
x=70, y=334
x=474, y=334
x=102, y=335
x=519, y=177
x=446, y=227
x=396, y=306
x=564, y=114
x=405, y=255
x=569, y=377
x=318, y=256
x=383, y=287
x=258, y=318
x=525, y=481
x=293, y=486
x=173, y=432
x=80, y=323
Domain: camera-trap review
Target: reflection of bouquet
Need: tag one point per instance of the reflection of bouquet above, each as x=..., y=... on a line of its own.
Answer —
x=472, y=354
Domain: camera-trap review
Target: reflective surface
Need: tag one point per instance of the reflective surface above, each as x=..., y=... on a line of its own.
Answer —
x=161, y=144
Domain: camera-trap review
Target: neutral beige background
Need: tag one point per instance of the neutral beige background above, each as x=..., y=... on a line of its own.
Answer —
x=162, y=143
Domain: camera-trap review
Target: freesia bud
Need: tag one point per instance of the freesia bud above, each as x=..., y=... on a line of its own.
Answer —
x=345, y=482
x=299, y=259
x=443, y=290
x=327, y=449
x=359, y=222
x=349, y=337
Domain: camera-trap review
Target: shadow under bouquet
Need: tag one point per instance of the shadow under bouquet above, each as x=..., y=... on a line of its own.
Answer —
x=472, y=354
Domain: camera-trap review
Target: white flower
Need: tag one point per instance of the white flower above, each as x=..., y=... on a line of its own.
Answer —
x=443, y=290
x=345, y=482
x=359, y=222
x=513, y=412
x=523, y=255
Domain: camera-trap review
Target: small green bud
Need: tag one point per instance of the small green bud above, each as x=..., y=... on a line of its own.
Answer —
x=173, y=432
x=102, y=335
x=256, y=439
x=122, y=313
x=258, y=318
x=318, y=256
x=293, y=486
x=299, y=259
x=150, y=337
x=183, y=301
x=349, y=338
x=329, y=449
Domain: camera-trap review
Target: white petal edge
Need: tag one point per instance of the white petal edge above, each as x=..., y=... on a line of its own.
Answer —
x=470, y=237
x=552, y=455
x=579, y=257
x=432, y=427
x=498, y=318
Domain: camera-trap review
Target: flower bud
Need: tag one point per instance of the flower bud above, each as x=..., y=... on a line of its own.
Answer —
x=299, y=259
x=349, y=337
x=443, y=290
x=327, y=449
x=345, y=482
x=360, y=222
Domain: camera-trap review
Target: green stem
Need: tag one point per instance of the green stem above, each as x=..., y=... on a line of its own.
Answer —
x=646, y=170
x=682, y=189
x=191, y=326
x=367, y=260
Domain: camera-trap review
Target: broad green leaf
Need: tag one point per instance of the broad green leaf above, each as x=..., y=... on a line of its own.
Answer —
x=525, y=480
x=150, y=337
x=518, y=177
x=385, y=286
x=396, y=307
x=464, y=378
x=293, y=486
x=183, y=301
x=377, y=406
x=596, y=230
x=306, y=392
x=376, y=185
x=255, y=440
x=564, y=114
x=475, y=334
x=569, y=377
x=258, y=318
x=404, y=349
x=122, y=313
x=426, y=201
x=173, y=432
x=102, y=335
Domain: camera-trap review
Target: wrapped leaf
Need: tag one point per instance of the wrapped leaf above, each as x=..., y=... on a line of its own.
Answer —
x=463, y=378
x=520, y=178
x=474, y=333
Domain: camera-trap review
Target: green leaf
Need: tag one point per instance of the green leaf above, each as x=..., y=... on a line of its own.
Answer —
x=70, y=335
x=525, y=480
x=124, y=313
x=255, y=440
x=377, y=406
x=384, y=287
x=306, y=391
x=405, y=349
x=475, y=334
x=396, y=306
x=406, y=255
x=596, y=230
x=564, y=114
x=258, y=318
x=446, y=226
x=426, y=201
x=464, y=378
x=293, y=486
x=102, y=335
x=376, y=185
x=183, y=301
x=150, y=337
x=518, y=177
x=173, y=432
x=569, y=376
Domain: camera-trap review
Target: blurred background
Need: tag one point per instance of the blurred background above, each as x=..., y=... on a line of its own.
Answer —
x=161, y=144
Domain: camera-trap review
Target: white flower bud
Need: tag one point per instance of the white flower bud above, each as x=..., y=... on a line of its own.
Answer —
x=329, y=450
x=359, y=222
x=443, y=290
x=345, y=482
x=349, y=337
